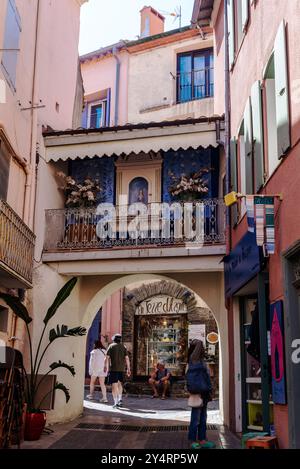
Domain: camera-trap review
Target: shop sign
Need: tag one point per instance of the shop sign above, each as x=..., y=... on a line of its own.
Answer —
x=277, y=353
x=242, y=264
x=161, y=305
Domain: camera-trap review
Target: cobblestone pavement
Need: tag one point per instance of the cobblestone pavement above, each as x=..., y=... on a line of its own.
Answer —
x=142, y=423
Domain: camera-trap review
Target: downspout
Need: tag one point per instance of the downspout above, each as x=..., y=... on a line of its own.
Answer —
x=117, y=85
x=30, y=184
x=227, y=127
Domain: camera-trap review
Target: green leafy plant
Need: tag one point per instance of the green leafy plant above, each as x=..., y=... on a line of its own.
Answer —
x=36, y=357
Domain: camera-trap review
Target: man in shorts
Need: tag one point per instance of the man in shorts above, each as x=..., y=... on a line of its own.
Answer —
x=116, y=361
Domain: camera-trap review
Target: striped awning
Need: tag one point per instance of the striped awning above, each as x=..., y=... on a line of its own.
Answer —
x=192, y=133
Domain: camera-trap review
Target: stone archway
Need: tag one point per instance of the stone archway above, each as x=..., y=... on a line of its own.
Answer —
x=153, y=302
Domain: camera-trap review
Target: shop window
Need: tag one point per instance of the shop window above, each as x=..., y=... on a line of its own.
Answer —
x=11, y=43
x=161, y=338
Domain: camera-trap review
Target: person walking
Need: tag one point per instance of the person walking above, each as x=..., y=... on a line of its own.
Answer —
x=116, y=361
x=200, y=388
x=96, y=370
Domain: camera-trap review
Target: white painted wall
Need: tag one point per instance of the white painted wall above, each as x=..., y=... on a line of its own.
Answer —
x=150, y=84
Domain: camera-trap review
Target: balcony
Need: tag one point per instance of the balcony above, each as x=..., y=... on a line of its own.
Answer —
x=193, y=226
x=198, y=84
x=16, y=249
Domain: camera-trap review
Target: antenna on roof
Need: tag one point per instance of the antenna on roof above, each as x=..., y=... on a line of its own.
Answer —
x=177, y=14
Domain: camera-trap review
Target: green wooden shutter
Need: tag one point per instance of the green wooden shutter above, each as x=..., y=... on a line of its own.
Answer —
x=245, y=13
x=230, y=13
x=233, y=164
x=248, y=147
x=258, y=135
x=234, y=177
x=282, y=91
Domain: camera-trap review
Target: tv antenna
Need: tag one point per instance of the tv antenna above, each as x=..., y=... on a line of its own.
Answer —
x=177, y=14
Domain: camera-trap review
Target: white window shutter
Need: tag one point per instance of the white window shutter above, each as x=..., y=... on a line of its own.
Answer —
x=282, y=91
x=258, y=135
x=245, y=13
x=230, y=14
x=248, y=147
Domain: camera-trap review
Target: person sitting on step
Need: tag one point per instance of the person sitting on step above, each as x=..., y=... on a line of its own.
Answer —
x=160, y=380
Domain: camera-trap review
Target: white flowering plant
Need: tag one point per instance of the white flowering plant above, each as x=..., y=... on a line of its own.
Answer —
x=191, y=186
x=79, y=194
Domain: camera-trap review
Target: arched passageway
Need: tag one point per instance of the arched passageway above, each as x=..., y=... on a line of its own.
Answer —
x=93, y=291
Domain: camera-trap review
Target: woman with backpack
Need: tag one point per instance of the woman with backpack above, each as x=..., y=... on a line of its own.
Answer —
x=199, y=387
x=96, y=370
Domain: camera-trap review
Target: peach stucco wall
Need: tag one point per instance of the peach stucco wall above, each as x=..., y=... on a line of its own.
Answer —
x=100, y=74
x=111, y=322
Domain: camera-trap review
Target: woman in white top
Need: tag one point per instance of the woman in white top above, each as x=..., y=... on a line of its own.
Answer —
x=96, y=370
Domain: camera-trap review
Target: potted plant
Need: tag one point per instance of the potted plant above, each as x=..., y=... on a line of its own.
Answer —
x=80, y=200
x=79, y=195
x=190, y=187
x=35, y=417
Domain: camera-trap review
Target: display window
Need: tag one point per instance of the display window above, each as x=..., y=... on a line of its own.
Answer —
x=161, y=338
x=257, y=397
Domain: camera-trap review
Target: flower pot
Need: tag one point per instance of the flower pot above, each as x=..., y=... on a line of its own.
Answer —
x=34, y=425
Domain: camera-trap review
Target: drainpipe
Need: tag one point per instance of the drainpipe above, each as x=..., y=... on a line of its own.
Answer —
x=227, y=127
x=30, y=184
x=117, y=84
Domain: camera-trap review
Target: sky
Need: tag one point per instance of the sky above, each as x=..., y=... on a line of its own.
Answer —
x=104, y=22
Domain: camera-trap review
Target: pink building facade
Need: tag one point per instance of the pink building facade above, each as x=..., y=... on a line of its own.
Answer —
x=264, y=129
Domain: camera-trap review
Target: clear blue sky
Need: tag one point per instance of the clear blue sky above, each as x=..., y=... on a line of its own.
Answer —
x=104, y=22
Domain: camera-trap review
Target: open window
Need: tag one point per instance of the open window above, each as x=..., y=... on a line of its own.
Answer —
x=277, y=101
x=96, y=113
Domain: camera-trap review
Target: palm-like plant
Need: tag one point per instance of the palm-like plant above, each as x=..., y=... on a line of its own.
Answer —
x=32, y=378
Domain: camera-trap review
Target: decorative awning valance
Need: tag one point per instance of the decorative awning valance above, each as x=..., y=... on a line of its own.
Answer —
x=132, y=139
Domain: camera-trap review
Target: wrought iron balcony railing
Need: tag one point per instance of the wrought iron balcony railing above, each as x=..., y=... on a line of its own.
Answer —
x=157, y=225
x=197, y=84
x=16, y=245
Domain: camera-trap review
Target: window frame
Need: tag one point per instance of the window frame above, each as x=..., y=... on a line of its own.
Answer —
x=11, y=79
x=207, y=53
x=91, y=104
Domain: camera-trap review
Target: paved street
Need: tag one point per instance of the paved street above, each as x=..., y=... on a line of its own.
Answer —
x=141, y=423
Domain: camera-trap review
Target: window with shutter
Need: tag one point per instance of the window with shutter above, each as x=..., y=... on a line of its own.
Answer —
x=248, y=147
x=11, y=44
x=4, y=170
x=234, y=177
x=282, y=91
x=84, y=118
x=231, y=32
x=257, y=131
x=245, y=13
